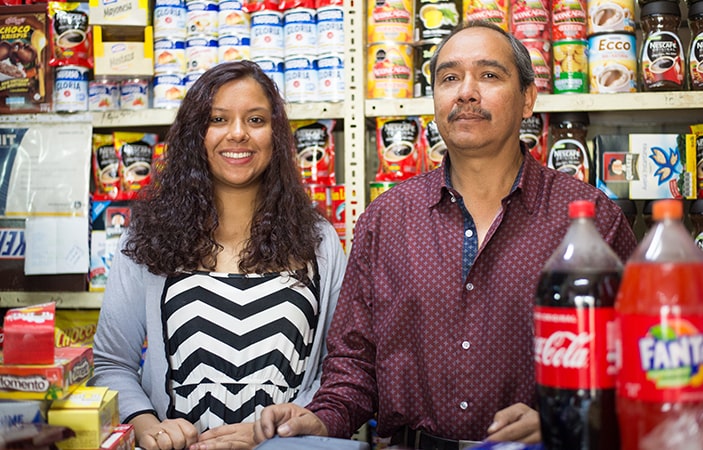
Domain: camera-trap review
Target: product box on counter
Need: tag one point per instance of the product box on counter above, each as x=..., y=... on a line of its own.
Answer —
x=646, y=166
x=15, y=412
x=122, y=438
x=109, y=219
x=123, y=51
x=91, y=412
x=12, y=253
x=72, y=367
x=120, y=12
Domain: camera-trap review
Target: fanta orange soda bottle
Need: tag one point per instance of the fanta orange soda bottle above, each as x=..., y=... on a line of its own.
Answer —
x=659, y=316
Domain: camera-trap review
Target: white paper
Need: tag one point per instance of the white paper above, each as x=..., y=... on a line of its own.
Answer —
x=56, y=245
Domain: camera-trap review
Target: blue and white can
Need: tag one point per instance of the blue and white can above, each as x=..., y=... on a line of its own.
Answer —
x=301, y=79
x=201, y=53
x=135, y=93
x=169, y=90
x=330, y=74
x=233, y=48
x=300, y=32
x=103, y=94
x=330, y=29
x=267, y=34
x=169, y=18
x=201, y=17
x=190, y=78
x=169, y=55
x=273, y=67
x=71, y=89
x=233, y=20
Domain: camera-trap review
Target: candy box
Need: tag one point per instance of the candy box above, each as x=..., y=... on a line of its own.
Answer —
x=644, y=166
x=122, y=438
x=91, y=412
x=72, y=366
x=29, y=335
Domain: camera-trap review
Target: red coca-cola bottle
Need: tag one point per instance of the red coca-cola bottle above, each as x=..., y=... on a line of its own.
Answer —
x=574, y=339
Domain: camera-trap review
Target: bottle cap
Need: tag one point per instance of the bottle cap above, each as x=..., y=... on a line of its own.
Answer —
x=667, y=209
x=582, y=208
x=695, y=9
x=660, y=7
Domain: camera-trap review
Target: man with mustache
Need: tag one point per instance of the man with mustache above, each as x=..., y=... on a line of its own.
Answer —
x=433, y=330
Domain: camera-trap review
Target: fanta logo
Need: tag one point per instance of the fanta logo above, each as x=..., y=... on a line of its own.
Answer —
x=672, y=355
x=563, y=349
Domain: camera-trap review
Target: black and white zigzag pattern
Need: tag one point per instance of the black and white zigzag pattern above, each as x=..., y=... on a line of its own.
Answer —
x=235, y=343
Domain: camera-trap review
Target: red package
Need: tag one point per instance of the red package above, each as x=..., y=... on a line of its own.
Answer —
x=252, y=6
x=290, y=4
x=29, y=335
x=71, y=38
x=322, y=3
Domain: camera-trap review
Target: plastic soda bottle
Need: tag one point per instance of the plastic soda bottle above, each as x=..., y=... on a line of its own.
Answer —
x=659, y=314
x=575, y=338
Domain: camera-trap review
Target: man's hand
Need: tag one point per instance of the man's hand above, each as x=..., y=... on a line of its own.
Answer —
x=238, y=436
x=518, y=423
x=287, y=420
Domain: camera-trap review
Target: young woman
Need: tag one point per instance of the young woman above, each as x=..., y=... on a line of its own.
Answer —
x=226, y=270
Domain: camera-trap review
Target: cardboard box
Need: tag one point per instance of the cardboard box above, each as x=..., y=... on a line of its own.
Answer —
x=131, y=55
x=91, y=412
x=12, y=253
x=29, y=334
x=122, y=438
x=26, y=81
x=120, y=12
x=16, y=412
x=646, y=166
x=72, y=367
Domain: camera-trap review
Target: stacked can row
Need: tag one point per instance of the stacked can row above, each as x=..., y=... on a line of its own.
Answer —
x=302, y=49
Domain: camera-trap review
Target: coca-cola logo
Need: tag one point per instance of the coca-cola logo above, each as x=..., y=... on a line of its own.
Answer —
x=563, y=349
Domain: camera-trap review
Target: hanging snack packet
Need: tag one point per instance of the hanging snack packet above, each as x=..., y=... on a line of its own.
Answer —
x=71, y=39
x=400, y=147
x=136, y=153
x=314, y=146
x=106, y=163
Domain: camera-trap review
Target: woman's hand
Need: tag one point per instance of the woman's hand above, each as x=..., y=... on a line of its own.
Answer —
x=238, y=436
x=169, y=434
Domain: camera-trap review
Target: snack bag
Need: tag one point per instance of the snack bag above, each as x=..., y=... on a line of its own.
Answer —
x=106, y=164
x=135, y=152
x=400, y=147
x=71, y=38
x=314, y=146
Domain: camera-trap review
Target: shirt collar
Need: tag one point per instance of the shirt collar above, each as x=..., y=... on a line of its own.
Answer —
x=526, y=185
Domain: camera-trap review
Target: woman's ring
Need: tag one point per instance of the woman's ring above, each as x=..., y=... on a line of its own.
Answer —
x=159, y=433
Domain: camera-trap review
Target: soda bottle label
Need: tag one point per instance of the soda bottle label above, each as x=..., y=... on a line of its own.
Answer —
x=662, y=358
x=575, y=347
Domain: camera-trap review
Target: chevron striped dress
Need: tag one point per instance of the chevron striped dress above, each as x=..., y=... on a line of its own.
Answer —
x=236, y=343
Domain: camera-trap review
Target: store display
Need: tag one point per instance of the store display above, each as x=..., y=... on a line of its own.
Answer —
x=569, y=20
x=494, y=11
x=389, y=70
x=531, y=19
x=103, y=94
x=612, y=63
x=574, y=346
x=170, y=19
x=330, y=30
x=662, y=55
x=659, y=313
x=570, y=61
x=299, y=32
x=390, y=21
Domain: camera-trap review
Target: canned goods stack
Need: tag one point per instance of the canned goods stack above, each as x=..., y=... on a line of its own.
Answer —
x=612, y=53
x=569, y=46
x=494, y=11
x=531, y=22
x=170, y=19
x=433, y=21
x=389, y=58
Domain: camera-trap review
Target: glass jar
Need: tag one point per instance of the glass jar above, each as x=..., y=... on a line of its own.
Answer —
x=569, y=150
x=694, y=57
x=662, y=56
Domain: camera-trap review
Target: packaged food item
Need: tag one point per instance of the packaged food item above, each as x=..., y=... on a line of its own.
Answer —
x=135, y=152
x=71, y=39
x=400, y=147
x=434, y=145
x=569, y=151
x=574, y=344
x=106, y=165
x=659, y=313
x=29, y=334
x=662, y=54
x=314, y=143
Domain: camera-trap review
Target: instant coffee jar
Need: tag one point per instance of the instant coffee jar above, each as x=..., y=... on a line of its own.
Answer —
x=662, y=56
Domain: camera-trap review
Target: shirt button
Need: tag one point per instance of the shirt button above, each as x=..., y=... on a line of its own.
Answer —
x=469, y=287
x=463, y=405
x=453, y=199
x=465, y=345
x=469, y=233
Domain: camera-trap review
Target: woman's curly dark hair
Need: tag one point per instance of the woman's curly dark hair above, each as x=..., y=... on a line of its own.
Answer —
x=173, y=224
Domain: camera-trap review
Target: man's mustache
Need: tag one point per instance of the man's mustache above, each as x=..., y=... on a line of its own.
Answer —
x=468, y=110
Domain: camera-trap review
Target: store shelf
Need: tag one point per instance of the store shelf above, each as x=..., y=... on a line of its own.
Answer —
x=164, y=117
x=639, y=101
x=14, y=299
